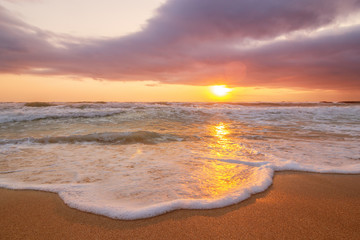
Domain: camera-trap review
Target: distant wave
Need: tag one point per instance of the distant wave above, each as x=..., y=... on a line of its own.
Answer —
x=24, y=112
x=144, y=137
x=58, y=115
x=39, y=104
x=285, y=104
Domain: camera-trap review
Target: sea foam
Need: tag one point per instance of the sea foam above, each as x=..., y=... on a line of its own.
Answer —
x=138, y=160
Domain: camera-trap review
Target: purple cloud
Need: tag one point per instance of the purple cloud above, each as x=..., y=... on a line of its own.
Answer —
x=202, y=42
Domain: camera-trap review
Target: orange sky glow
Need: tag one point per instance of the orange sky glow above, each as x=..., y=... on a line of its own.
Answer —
x=30, y=88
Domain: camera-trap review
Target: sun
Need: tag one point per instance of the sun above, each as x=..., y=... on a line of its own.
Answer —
x=220, y=90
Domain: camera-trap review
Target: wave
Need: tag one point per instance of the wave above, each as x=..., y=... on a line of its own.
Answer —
x=144, y=137
x=13, y=114
x=20, y=112
x=87, y=197
x=58, y=115
x=39, y=104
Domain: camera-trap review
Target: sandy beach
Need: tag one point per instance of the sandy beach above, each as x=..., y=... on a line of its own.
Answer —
x=296, y=206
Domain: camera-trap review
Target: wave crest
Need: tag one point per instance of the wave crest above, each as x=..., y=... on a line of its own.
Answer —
x=144, y=137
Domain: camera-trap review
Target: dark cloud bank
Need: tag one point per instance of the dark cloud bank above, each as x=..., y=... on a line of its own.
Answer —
x=202, y=42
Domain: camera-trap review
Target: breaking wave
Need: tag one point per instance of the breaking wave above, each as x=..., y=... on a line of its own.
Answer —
x=144, y=137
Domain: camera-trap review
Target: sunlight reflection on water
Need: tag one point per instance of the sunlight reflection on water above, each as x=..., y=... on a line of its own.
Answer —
x=223, y=177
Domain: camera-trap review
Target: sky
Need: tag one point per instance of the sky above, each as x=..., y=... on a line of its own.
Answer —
x=174, y=50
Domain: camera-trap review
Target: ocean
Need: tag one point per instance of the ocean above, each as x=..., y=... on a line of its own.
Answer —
x=139, y=160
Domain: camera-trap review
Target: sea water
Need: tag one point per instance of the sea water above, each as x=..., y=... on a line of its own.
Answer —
x=138, y=160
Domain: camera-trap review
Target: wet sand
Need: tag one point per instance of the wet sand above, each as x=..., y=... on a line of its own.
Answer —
x=296, y=206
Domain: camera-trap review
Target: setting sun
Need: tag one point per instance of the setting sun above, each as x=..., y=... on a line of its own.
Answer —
x=220, y=90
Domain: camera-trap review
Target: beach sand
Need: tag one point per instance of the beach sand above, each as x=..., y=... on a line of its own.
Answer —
x=296, y=206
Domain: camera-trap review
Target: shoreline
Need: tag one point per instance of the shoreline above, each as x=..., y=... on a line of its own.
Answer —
x=298, y=205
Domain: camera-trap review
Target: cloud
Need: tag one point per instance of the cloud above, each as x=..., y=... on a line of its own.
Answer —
x=202, y=42
x=22, y=46
x=329, y=60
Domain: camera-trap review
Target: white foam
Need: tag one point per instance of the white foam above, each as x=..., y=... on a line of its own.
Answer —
x=201, y=156
x=86, y=198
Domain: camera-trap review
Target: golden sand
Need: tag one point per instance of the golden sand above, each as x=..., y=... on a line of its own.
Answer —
x=297, y=206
